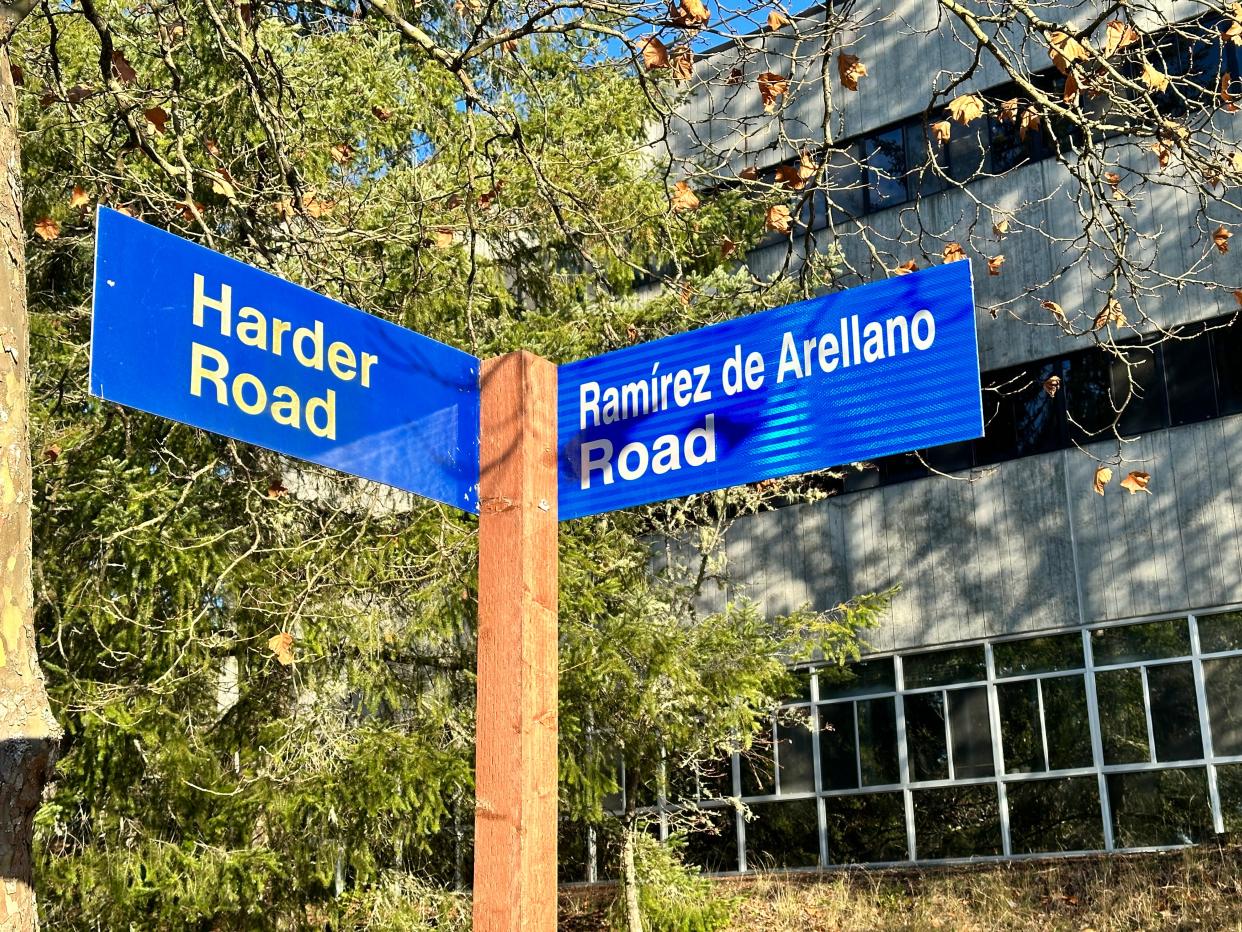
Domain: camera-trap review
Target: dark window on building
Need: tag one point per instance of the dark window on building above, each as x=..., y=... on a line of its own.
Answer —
x=957, y=822
x=1154, y=640
x=1162, y=807
x=1123, y=716
x=838, y=765
x=1189, y=380
x=925, y=736
x=1222, y=681
x=866, y=828
x=970, y=727
x=1055, y=815
x=856, y=679
x=1021, y=732
x=794, y=752
x=1038, y=655
x=1174, y=712
x=784, y=834
x=884, y=158
x=943, y=667
x=877, y=741
x=1066, y=721
x=712, y=844
x=1220, y=632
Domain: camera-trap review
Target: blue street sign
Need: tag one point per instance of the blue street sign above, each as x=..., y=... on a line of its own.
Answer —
x=186, y=333
x=884, y=368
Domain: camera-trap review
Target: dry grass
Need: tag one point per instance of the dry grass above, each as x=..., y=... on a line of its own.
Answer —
x=1195, y=889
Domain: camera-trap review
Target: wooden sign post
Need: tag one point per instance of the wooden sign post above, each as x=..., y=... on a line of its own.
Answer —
x=515, y=822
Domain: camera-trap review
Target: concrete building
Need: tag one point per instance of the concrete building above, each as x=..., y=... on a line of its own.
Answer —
x=1062, y=670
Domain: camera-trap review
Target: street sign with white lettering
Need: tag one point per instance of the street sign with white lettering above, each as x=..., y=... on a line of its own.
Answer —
x=883, y=368
x=189, y=334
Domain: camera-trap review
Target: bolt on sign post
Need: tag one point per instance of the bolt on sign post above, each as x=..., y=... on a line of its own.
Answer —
x=186, y=333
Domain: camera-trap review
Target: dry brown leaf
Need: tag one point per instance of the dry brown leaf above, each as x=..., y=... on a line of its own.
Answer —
x=778, y=20
x=749, y=173
x=689, y=14
x=954, y=252
x=222, y=184
x=1103, y=476
x=19, y=76
x=1052, y=385
x=734, y=77
x=795, y=177
x=683, y=63
x=994, y=265
x=778, y=219
x=1064, y=50
x=1055, y=309
x=631, y=334
x=1001, y=227
x=276, y=489
x=212, y=147
x=850, y=69
x=1226, y=98
x=683, y=198
x=52, y=453
x=727, y=248
x=1136, y=482
x=1154, y=78
x=1220, y=239
x=442, y=238
x=1110, y=314
x=1030, y=120
x=1008, y=110
x=342, y=153
x=1237, y=296
x=282, y=646
x=1233, y=31
x=1163, y=153
x=123, y=69
x=1069, y=93
x=906, y=267
x=79, y=199
x=47, y=229
x=1117, y=35
x=966, y=108
x=79, y=93
x=941, y=131
x=771, y=87
x=685, y=293
x=188, y=215
x=157, y=117
x=125, y=209
x=509, y=45
x=654, y=52
x=383, y=114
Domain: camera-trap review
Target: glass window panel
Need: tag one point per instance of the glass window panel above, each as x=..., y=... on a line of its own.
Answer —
x=971, y=729
x=843, y=182
x=712, y=843
x=1188, y=379
x=961, y=665
x=1055, y=815
x=867, y=828
x=571, y=852
x=1226, y=351
x=1140, y=379
x=1222, y=681
x=837, y=764
x=1160, y=807
x=648, y=791
x=758, y=770
x=1154, y=640
x=1088, y=394
x=799, y=688
x=783, y=835
x=795, y=753
x=956, y=822
x=928, y=754
x=1220, y=632
x=1067, y=725
x=1123, y=719
x=966, y=149
x=1022, y=741
x=1229, y=784
x=1038, y=655
x=1174, y=712
x=682, y=783
x=877, y=741
x=615, y=802
x=926, y=159
x=997, y=443
x=885, y=156
x=856, y=679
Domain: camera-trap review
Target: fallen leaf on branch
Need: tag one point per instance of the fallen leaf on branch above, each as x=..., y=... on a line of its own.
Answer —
x=282, y=646
x=342, y=153
x=52, y=453
x=683, y=63
x=1001, y=227
x=689, y=14
x=683, y=198
x=654, y=52
x=749, y=173
x=907, y=267
x=1111, y=314
x=1163, y=153
x=1031, y=120
x=777, y=20
x=954, y=252
x=123, y=69
x=1221, y=239
x=1052, y=385
x=79, y=198
x=383, y=114
x=222, y=184
x=1117, y=35
x=442, y=238
x=778, y=219
x=1103, y=476
x=47, y=229
x=1136, y=482
x=1230, y=102
x=276, y=489
x=188, y=214
x=850, y=69
x=1069, y=93
x=941, y=131
x=994, y=265
x=1154, y=78
x=157, y=117
x=1008, y=110
x=1065, y=50
x=734, y=77
x=771, y=87
x=1057, y=311
x=727, y=248
x=966, y=108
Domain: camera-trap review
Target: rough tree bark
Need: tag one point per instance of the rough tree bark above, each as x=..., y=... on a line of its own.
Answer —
x=629, y=869
x=29, y=734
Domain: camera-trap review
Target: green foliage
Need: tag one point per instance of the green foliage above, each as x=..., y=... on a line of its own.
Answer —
x=674, y=897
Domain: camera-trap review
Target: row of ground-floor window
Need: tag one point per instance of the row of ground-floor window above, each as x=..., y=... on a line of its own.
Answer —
x=1108, y=737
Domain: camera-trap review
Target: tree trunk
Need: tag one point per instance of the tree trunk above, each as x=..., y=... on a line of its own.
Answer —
x=629, y=870
x=28, y=733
